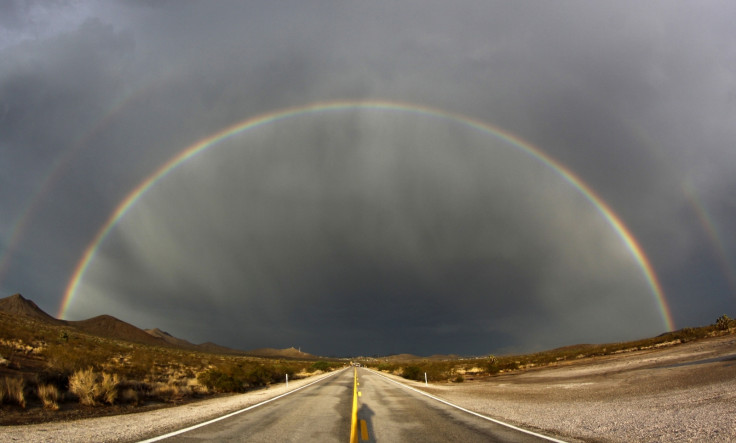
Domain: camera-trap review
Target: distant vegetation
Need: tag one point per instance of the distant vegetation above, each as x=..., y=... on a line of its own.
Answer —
x=459, y=369
x=48, y=366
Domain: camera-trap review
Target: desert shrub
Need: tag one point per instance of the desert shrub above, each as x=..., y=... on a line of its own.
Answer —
x=133, y=391
x=459, y=379
x=321, y=365
x=260, y=375
x=207, y=378
x=687, y=334
x=723, y=323
x=52, y=377
x=220, y=381
x=438, y=371
x=387, y=367
x=195, y=387
x=49, y=395
x=492, y=367
x=67, y=358
x=129, y=395
x=91, y=387
x=12, y=391
x=278, y=372
x=495, y=365
x=141, y=365
x=83, y=384
x=108, y=387
x=170, y=391
x=510, y=365
x=238, y=377
x=165, y=392
x=413, y=373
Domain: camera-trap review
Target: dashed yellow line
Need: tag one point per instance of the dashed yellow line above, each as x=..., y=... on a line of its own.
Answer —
x=354, y=423
x=354, y=415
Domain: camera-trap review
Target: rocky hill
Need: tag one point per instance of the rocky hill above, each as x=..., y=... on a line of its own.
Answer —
x=18, y=305
x=107, y=326
x=281, y=353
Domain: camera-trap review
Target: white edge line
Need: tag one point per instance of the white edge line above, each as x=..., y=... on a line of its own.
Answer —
x=199, y=425
x=526, y=431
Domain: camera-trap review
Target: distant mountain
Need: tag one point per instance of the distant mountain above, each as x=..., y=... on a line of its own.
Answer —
x=217, y=349
x=170, y=339
x=401, y=357
x=291, y=353
x=110, y=327
x=107, y=326
x=18, y=305
x=443, y=357
x=408, y=357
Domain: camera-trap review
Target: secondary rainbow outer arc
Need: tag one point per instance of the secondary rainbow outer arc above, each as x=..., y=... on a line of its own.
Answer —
x=21, y=223
x=615, y=221
x=713, y=233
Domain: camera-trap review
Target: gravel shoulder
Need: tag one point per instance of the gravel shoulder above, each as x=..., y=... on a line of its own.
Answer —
x=685, y=392
x=139, y=426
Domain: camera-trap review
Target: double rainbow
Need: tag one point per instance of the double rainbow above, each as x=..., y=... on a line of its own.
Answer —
x=615, y=222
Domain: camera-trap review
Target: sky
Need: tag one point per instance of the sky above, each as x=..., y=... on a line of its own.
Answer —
x=418, y=176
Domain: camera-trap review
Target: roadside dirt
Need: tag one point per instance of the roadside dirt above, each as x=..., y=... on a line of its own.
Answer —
x=34, y=412
x=685, y=392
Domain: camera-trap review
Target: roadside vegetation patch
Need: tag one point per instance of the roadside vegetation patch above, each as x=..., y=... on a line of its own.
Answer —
x=460, y=369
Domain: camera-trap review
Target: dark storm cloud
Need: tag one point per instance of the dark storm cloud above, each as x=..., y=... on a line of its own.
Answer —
x=402, y=233
x=327, y=227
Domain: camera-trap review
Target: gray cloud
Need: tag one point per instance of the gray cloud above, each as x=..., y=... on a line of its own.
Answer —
x=336, y=223
x=397, y=231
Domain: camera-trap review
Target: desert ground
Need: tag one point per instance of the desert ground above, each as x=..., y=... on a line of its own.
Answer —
x=685, y=392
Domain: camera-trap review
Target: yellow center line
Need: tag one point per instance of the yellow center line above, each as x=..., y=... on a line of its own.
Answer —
x=363, y=430
x=354, y=415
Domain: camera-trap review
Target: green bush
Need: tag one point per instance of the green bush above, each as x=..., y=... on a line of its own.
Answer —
x=260, y=375
x=387, y=367
x=281, y=370
x=219, y=381
x=413, y=373
x=237, y=378
x=320, y=366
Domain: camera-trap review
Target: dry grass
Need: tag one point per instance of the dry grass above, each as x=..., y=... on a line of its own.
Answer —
x=49, y=395
x=108, y=387
x=92, y=387
x=82, y=384
x=12, y=391
x=171, y=391
x=71, y=365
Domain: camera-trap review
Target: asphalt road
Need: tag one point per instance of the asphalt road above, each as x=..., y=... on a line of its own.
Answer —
x=322, y=412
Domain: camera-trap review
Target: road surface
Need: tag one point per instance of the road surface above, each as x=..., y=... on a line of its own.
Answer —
x=387, y=412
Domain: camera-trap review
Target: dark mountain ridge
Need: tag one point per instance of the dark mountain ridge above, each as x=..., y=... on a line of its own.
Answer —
x=18, y=305
x=107, y=326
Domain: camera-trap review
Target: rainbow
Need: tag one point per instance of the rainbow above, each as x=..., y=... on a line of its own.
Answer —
x=713, y=233
x=60, y=165
x=336, y=106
